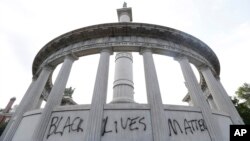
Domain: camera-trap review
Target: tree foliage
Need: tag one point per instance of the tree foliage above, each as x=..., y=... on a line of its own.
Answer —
x=243, y=93
x=2, y=127
x=69, y=91
x=242, y=102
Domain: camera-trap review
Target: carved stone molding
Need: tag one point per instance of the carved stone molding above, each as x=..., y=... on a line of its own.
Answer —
x=126, y=37
x=99, y=36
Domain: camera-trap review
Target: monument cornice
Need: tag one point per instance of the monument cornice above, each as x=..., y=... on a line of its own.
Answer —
x=119, y=31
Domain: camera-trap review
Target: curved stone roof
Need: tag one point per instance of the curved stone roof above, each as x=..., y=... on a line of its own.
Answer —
x=126, y=29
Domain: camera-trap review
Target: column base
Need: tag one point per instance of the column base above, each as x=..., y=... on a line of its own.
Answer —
x=122, y=100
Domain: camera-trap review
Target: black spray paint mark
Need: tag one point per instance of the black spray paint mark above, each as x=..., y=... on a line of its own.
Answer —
x=189, y=126
x=69, y=125
x=174, y=125
x=129, y=124
x=104, y=131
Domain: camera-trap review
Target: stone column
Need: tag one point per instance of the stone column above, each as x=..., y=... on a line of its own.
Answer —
x=228, y=99
x=199, y=99
x=158, y=118
x=55, y=97
x=7, y=109
x=211, y=102
x=220, y=96
x=33, y=92
x=38, y=104
x=123, y=88
x=7, y=134
x=210, y=99
x=94, y=124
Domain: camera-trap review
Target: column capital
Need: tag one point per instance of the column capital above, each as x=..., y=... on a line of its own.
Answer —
x=203, y=67
x=109, y=50
x=34, y=77
x=71, y=56
x=124, y=55
x=48, y=67
x=181, y=57
x=143, y=50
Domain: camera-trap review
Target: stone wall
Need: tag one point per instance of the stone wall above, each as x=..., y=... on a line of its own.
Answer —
x=123, y=122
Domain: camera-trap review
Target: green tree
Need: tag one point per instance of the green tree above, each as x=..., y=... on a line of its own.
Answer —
x=2, y=127
x=242, y=102
x=69, y=91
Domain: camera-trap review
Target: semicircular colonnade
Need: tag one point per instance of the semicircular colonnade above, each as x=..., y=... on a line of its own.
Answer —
x=210, y=101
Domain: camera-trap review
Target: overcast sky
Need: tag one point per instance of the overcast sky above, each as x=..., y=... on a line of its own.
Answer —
x=27, y=25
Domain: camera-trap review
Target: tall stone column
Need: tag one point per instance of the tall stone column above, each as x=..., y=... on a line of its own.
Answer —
x=123, y=88
x=94, y=124
x=7, y=134
x=55, y=97
x=157, y=113
x=7, y=109
x=228, y=99
x=34, y=91
x=199, y=99
x=220, y=96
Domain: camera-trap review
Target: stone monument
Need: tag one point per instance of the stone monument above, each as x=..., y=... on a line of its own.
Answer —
x=124, y=119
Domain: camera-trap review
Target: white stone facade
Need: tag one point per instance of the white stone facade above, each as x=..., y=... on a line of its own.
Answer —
x=124, y=119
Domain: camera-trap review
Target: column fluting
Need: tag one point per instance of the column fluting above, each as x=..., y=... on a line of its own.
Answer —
x=199, y=99
x=33, y=92
x=54, y=98
x=157, y=113
x=94, y=124
x=123, y=86
x=220, y=96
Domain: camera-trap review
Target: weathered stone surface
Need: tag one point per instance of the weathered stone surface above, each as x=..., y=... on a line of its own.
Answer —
x=120, y=36
x=124, y=122
x=123, y=86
